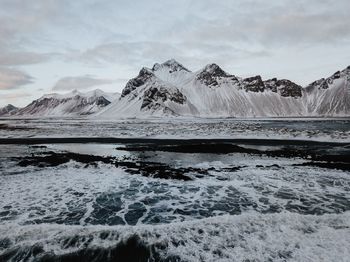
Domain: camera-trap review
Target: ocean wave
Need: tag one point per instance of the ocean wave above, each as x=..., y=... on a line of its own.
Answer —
x=248, y=237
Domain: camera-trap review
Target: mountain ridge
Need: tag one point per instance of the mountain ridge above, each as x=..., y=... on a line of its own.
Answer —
x=74, y=103
x=170, y=89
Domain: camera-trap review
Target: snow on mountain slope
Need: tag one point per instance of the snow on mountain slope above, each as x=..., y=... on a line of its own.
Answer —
x=8, y=110
x=71, y=104
x=170, y=89
x=214, y=92
x=330, y=96
x=147, y=94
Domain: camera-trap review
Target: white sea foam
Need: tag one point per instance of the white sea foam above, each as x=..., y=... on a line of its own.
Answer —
x=247, y=237
x=75, y=194
x=256, y=213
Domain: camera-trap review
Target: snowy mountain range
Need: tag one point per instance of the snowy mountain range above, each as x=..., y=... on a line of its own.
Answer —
x=74, y=103
x=8, y=110
x=170, y=89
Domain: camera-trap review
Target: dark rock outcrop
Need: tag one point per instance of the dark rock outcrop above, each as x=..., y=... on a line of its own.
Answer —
x=324, y=83
x=155, y=96
x=172, y=65
x=284, y=87
x=253, y=84
x=211, y=73
x=144, y=75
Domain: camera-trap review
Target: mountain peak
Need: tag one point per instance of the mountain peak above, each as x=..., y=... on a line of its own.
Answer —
x=74, y=91
x=8, y=110
x=145, y=72
x=170, y=64
x=10, y=106
x=214, y=70
x=346, y=70
x=144, y=75
x=210, y=74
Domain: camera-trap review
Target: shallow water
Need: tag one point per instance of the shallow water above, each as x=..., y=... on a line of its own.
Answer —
x=309, y=128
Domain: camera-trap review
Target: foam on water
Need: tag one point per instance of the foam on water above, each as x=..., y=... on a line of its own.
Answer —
x=246, y=207
x=247, y=237
x=75, y=194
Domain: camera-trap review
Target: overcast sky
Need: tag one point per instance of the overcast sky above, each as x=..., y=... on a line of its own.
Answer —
x=58, y=45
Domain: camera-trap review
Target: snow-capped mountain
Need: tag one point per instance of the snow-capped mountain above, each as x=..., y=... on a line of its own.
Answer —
x=8, y=110
x=330, y=96
x=74, y=103
x=171, y=89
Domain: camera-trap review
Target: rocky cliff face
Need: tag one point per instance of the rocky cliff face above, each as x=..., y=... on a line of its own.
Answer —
x=253, y=84
x=142, y=78
x=284, y=87
x=153, y=96
x=212, y=74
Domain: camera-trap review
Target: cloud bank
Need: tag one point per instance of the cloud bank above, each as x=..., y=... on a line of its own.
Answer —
x=79, y=82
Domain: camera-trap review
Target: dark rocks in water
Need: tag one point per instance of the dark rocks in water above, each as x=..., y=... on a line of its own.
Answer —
x=273, y=166
x=51, y=158
x=210, y=148
x=147, y=169
x=156, y=170
x=313, y=158
x=39, y=146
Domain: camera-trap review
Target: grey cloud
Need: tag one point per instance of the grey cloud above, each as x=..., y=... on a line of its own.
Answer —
x=124, y=35
x=79, y=82
x=138, y=54
x=14, y=96
x=23, y=58
x=12, y=78
x=19, y=18
x=276, y=23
